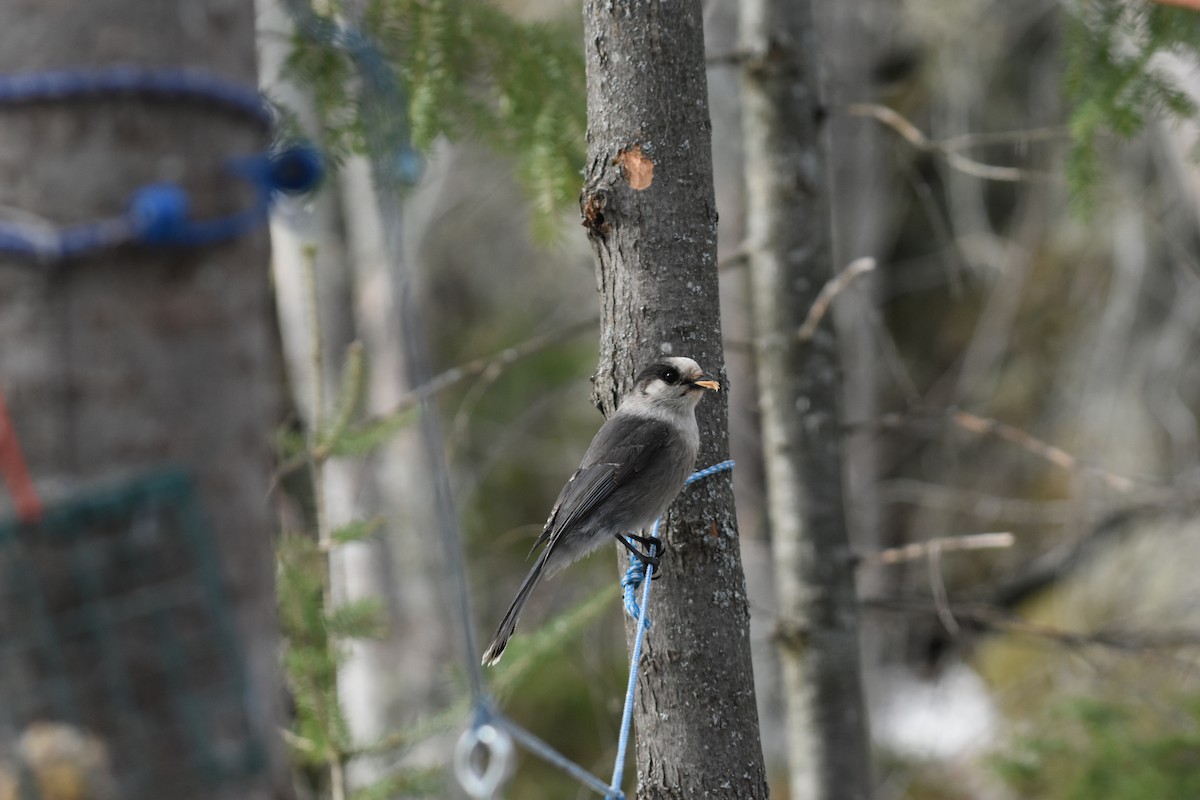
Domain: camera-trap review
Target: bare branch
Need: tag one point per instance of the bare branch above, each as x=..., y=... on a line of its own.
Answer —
x=735, y=259
x=440, y=383
x=933, y=549
x=985, y=425
x=964, y=141
x=1055, y=455
x=462, y=418
x=836, y=285
x=941, y=599
x=730, y=58
x=981, y=505
x=991, y=618
x=948, y=149
x=942, y=544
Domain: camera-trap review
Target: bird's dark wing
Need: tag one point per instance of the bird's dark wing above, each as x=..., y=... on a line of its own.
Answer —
x=592, y=484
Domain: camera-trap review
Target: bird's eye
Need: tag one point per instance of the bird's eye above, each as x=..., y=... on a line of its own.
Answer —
x=671, y=376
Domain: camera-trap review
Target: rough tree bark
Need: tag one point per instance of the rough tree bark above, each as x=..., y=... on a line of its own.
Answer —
x=788, y=247
x=137, y=359
x=651, y=217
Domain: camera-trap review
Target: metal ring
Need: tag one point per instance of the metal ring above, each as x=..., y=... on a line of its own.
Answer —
x=499, y=760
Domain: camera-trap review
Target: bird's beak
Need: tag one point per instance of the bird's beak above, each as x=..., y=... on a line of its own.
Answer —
x=707, y=382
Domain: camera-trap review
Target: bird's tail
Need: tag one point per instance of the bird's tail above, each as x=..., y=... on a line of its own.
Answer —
x=495, y=648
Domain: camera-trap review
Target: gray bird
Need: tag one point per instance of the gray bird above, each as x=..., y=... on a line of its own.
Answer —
x=633, y=470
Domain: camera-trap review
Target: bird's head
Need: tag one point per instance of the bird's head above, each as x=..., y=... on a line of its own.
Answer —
x=673, y=382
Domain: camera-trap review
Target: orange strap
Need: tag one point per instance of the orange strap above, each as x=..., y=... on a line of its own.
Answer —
x=14, y=471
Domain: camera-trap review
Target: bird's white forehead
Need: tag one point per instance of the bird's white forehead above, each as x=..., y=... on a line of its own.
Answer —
x=683, y=364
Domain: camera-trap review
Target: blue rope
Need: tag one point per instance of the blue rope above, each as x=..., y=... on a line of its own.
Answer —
x=636, y=572
x=636, y=575
x=140, y=82
x=158, y=214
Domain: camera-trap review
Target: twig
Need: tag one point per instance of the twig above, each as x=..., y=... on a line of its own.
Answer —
x=440, y=383
x=737, y=258
x=470, y=369
x=946, y=149
x=947, y=243
x=890, y=355
x=992, y=618
x=964, y=141
x=1055, y=455
x=728, y=58
x=471, y=400
x=933, y=549
x=941, y=599
x=942, y=544
x=836, y=285
x=984, y=425
x=975, y=503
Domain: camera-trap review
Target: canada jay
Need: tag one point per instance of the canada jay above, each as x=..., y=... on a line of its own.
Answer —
x=634, y=468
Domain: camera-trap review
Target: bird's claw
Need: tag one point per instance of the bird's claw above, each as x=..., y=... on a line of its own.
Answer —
x=647, y=542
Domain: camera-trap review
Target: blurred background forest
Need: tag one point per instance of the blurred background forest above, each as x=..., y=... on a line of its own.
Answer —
x=1019, y=361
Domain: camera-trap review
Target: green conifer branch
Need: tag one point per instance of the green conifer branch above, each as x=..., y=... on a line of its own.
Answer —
x=1113, y=81
x=471, y=72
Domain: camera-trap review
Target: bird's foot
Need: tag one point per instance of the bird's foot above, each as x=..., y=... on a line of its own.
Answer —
x=647, y=542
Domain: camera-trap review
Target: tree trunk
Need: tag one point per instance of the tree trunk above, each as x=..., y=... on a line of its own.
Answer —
x=651, y=218
x=384, y=682
x=799, y=383
x=128, y=362
x=857, y=39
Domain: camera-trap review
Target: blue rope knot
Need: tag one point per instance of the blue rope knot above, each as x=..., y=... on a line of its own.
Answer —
x=296, y=170
x=158, y=212
x=637, y=571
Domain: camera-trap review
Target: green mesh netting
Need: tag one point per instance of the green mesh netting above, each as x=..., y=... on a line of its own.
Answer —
x=114, y=616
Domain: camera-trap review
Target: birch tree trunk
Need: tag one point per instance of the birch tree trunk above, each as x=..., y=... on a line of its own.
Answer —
x=136, y=359
x=788, y=247
x=651, y=217
x=383, y=682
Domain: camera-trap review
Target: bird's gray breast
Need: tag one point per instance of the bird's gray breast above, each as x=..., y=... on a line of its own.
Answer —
x=662, y=453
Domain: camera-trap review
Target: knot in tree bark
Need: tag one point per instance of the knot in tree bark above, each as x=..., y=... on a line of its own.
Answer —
x=593, y=203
